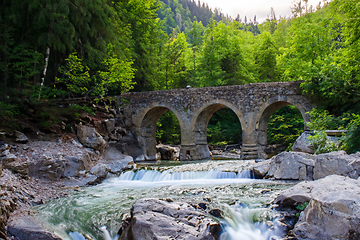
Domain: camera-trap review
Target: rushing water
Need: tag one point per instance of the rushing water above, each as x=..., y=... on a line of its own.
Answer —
x=89, y=211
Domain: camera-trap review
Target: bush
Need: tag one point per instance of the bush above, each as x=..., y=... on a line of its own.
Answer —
x=351, y=141
x=322, y=144
x=322, y=120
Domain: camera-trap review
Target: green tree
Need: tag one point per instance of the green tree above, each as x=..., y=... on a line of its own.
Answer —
x=265, y=58
x=285, y=126
x=118, y=75
x=76, y=76
x=141, y=18
x=225, y=58
x=174, y=70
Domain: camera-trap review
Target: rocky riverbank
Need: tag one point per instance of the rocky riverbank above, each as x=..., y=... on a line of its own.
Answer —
x=37, y=171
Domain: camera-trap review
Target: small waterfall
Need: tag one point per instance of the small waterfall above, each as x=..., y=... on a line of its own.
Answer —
x=156, y=176
x=79, y=216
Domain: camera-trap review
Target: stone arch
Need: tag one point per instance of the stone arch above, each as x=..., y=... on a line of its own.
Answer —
x=199, y=125
x=147, y=129
x=269, y=110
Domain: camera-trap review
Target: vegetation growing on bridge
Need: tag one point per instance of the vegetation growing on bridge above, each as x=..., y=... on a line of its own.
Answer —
x=156, y=45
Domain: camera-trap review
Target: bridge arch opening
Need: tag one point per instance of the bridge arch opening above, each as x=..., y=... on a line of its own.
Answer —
x=224, y=128
x=148, y=130
x=208, y=127
x=280, y=124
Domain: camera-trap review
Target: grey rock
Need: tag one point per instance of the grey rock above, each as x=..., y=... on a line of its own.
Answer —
x=26, y=228
x=72, y=166
x=336, y=163
x=157, y=219
x=8, y=159
x=110, y=125
x=167, y=152
x=3, y=147
x=260, y=169
x=119, y=165
x=100, y=171
x=302, y=144
x=291, y=166
x=127, y=145
x=333, y=211
x=89, y=137
x=47, y=168
x=303, y=166
x=20, y=137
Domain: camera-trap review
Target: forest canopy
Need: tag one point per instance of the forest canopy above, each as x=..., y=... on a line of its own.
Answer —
x=76, y=48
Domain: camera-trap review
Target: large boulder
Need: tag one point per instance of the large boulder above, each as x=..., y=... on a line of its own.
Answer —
x=303, y=166
x=20, y=137
x=303, y=144
x=53, y=167
x=158, y=219
x=333, y=211
x=26, y=228
x=166, y=152
x=90, y=138
x=260, y=169
x=338, y=163
x=286, y=166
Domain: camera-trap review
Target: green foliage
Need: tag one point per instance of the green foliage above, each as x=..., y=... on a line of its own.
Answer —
x=173, y=71
x=77, y=77
x=265, y=58
x=301, y=207
x=168, y=129
x=118, y=74
x=225, y=59
x=285, y=126
x=321, y=120
x=224, y=128
x=79, y=108
x=351, y=141
x=8, y=111
x=22, y=64
x=47, y=93
x=322, y=144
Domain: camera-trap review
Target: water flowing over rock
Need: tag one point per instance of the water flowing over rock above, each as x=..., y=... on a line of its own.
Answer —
x=303, y=166
x=302, y=144
x=333, y=211
x=158, y=219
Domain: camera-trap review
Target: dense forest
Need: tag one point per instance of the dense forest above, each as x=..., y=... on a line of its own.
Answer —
x=81, y=48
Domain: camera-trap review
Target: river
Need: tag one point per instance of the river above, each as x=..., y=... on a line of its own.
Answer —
x=242, y=199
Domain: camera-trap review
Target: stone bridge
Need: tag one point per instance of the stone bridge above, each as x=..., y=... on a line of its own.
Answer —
x=252, y=103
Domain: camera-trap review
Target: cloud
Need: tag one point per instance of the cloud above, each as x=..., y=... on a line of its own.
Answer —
x=260, y=8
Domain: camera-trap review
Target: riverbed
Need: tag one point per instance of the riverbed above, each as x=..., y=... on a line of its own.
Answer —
x=225, y=185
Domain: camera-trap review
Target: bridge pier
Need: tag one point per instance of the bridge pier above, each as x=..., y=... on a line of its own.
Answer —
x=194, y=152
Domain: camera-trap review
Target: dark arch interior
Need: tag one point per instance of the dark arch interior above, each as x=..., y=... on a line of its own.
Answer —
x=224, y=128
x=149, y=129
x=168, y=129
x=284, y=126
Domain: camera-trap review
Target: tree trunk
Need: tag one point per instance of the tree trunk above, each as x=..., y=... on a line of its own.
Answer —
x=45, y=69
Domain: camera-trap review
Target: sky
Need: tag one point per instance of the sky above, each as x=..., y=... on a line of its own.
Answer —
x=250, y=8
